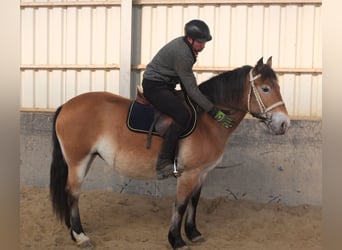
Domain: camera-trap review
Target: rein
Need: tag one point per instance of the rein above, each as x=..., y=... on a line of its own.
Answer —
x=263, y=110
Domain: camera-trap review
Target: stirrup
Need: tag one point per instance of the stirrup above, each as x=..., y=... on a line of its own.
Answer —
x=168, y=170
x=176, y=173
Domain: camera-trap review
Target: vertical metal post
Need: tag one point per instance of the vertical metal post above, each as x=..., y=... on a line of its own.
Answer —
x=125, y=49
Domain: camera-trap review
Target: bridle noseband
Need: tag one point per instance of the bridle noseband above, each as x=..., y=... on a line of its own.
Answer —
x=263, y=110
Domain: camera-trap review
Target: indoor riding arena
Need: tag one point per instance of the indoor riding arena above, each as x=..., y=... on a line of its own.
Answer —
x=265, y=193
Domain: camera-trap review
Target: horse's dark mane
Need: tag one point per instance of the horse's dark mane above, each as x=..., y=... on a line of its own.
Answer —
x=226, y=87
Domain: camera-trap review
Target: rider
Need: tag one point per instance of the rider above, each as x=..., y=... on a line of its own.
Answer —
x=170, y=66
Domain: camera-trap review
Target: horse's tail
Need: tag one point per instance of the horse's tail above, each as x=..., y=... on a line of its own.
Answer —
x=58, y=178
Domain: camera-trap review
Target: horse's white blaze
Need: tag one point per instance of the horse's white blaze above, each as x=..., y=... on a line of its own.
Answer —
x=106, y=149
x=80, y=238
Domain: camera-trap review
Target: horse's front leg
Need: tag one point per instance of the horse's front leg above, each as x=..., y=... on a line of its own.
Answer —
x=190, y=227
x=174, y=236
x=187, y=185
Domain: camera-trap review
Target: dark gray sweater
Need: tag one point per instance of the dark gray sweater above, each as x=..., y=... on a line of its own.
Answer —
x=172, y=65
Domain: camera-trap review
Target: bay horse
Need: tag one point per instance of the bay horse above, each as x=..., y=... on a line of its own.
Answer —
x=94, y=124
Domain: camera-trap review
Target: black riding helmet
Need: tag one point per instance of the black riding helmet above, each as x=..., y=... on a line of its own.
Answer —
x=197, y=30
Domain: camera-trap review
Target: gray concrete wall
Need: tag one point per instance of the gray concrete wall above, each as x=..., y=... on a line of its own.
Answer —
x=257, y=166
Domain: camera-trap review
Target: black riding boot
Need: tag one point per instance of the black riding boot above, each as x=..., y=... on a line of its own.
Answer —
x=167, y=153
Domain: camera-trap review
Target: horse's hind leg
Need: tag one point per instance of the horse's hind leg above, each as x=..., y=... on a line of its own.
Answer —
x=76, y=175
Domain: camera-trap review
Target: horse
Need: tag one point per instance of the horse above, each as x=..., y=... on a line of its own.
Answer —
x=94, y=124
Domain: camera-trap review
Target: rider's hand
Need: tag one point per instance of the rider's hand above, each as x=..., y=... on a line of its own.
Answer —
x=221, y=117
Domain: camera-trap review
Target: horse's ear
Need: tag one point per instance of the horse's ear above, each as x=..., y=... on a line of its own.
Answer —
x=269, y=61
x=259, y=64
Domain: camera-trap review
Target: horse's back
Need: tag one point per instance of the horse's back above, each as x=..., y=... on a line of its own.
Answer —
x=91, y=109
x=95, y=101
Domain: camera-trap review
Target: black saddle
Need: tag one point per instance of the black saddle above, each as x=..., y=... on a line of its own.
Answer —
x=142, y=117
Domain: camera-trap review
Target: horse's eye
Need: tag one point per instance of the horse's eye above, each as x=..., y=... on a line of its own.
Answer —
x=265, y=89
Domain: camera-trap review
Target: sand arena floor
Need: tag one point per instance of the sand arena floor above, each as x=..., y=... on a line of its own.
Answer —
x=121, y=221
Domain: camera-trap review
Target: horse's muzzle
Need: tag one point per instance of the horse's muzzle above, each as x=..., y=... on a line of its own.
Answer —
x=278, y=123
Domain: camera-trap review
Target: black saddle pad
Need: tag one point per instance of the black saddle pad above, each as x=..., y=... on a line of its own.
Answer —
x=140, y=118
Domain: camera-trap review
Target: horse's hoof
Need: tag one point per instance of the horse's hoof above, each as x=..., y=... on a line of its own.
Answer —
x=198, y=239
x=87, y=245
x=83, y=241
x=182, y=248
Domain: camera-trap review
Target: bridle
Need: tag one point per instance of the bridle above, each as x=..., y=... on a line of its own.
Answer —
x=263, y=115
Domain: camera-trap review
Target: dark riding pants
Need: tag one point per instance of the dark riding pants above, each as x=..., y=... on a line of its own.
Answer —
x=164, y=98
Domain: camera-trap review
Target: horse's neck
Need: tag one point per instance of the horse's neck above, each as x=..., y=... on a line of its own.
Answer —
x=216, y=131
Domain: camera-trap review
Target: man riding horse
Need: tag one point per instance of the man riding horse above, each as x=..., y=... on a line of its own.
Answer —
x=170, y=66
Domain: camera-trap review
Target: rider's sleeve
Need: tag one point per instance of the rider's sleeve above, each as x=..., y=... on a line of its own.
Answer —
x=183, y=67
